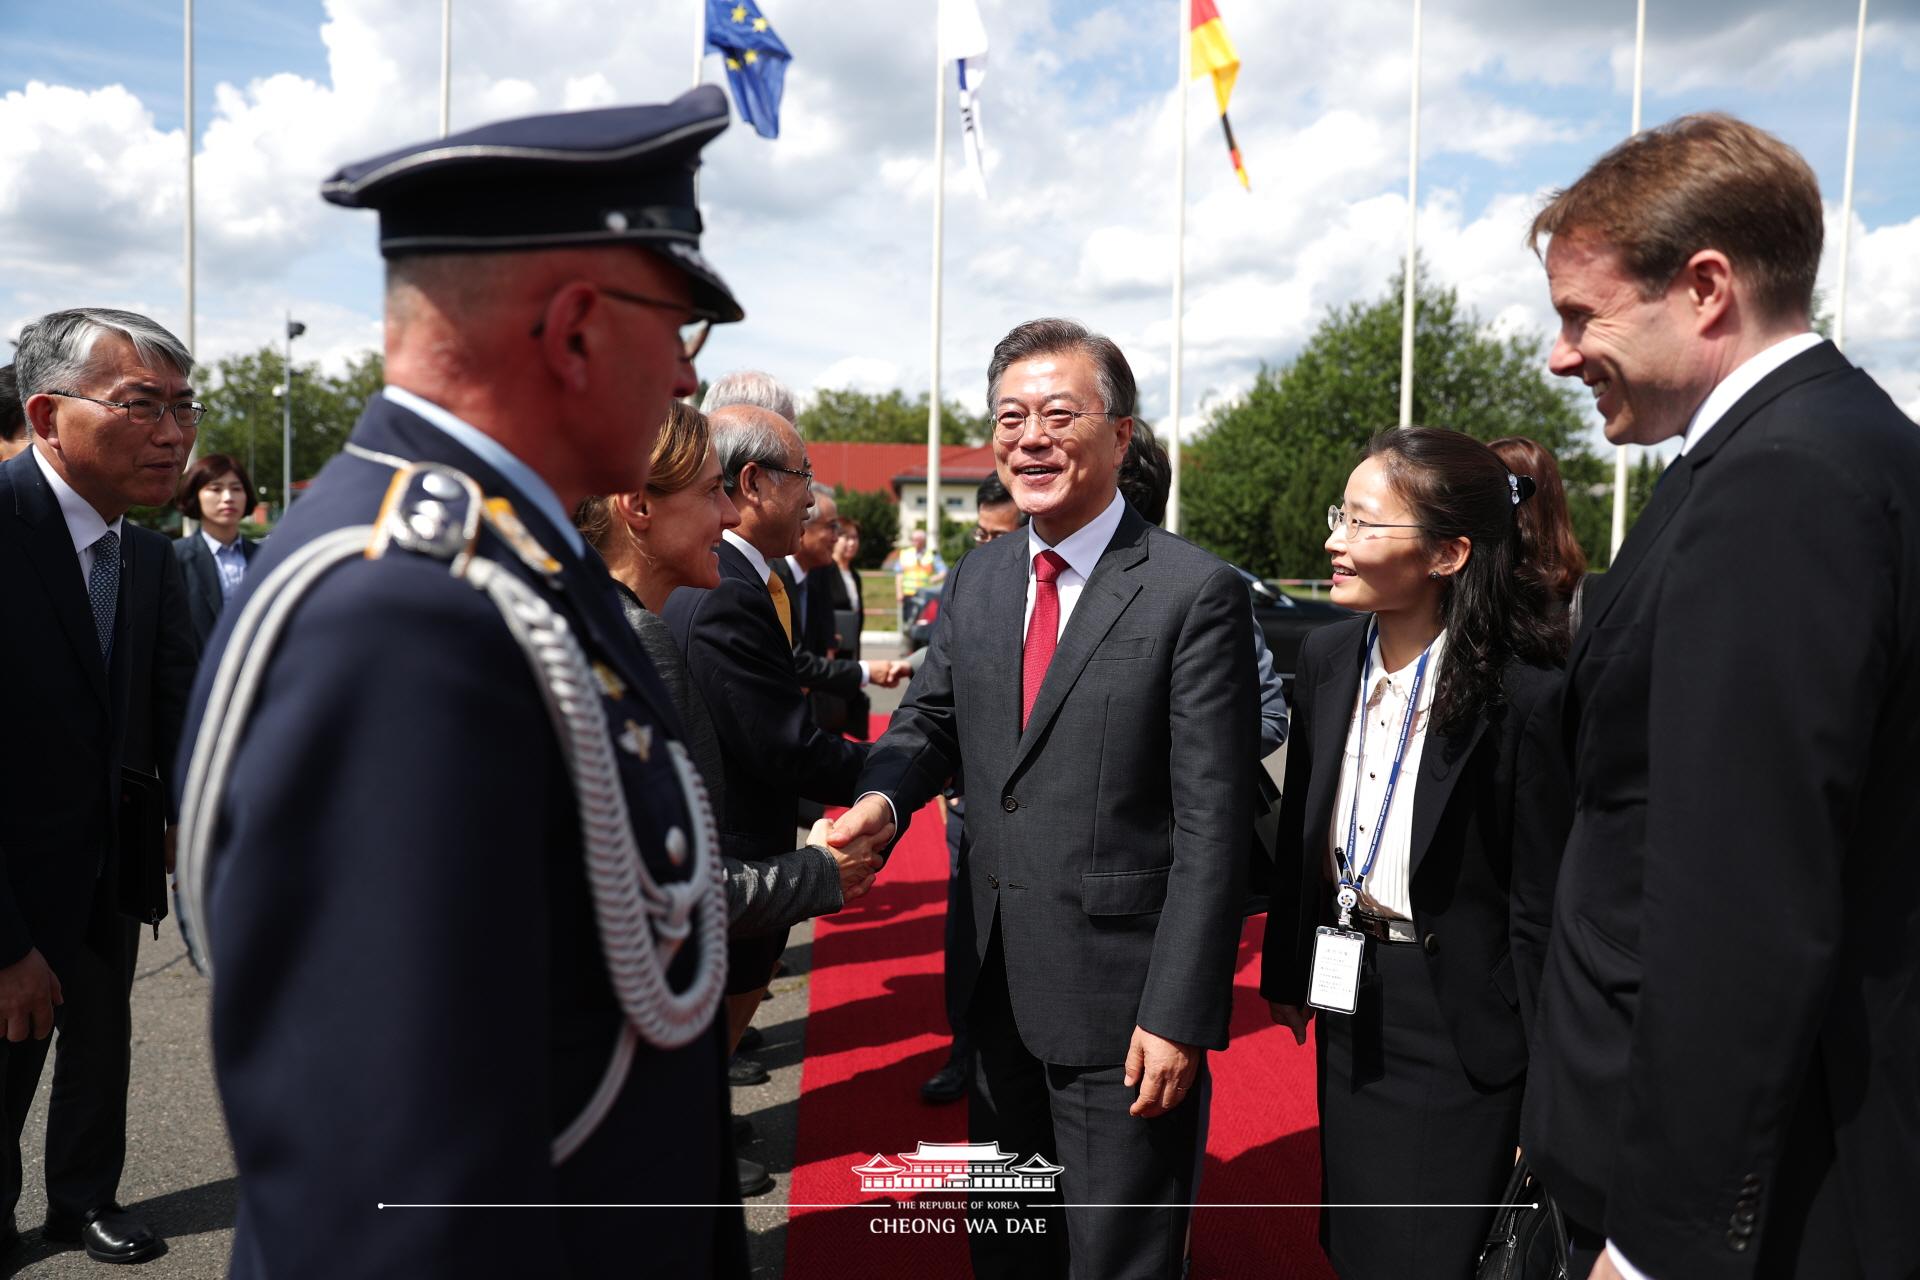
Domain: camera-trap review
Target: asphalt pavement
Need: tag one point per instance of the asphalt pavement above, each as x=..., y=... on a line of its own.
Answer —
x=179, y=1173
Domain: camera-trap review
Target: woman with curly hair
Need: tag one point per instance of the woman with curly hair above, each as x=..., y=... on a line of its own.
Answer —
x=1425, y=806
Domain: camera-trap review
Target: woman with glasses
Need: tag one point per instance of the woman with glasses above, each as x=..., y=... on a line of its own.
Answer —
x=218, y=492
x=1425, y=806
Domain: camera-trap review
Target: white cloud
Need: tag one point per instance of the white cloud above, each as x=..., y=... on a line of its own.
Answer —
x=858, y=373
x=825, y=232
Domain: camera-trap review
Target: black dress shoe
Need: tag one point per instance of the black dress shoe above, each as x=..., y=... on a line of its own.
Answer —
x=949, y=1084
x=754, y=1178
x=745, y=1071
x=742, y=1131
x=108, y=1233
x=750, y=1040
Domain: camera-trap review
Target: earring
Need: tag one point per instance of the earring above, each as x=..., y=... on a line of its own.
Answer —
x=1434, y=574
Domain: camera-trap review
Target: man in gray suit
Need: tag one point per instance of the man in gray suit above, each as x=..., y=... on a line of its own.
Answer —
x=1094, y=677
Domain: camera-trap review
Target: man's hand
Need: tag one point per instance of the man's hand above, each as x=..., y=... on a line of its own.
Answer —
x=888, y=674
x=856, y=869
x=1164, y=1069
x=865, y=829
x=1292, y=1017
x=28, y=992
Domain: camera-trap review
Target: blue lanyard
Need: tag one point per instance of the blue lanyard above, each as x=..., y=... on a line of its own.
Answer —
x=1347, y=878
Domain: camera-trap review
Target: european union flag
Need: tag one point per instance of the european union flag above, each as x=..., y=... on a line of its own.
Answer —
x=756, y=61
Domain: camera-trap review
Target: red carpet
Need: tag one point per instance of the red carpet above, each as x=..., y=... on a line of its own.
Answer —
x=876, y=1028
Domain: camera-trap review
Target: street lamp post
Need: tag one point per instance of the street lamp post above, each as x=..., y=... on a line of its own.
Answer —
x=294, y=330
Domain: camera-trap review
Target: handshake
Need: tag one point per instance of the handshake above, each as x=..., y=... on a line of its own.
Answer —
x=889, y=674
x=857, y=842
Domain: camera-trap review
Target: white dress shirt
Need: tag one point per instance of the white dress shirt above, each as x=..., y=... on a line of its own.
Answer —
x=751, y=552
x=84, y=524
x=1082, y=550
x=229, y=560
x=1384, y=703
x=1742, y=380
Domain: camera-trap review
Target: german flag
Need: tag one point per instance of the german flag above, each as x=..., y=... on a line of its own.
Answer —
x=1213, y=55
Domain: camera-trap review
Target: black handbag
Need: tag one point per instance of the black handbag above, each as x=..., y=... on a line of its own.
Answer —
x=1528, y=1239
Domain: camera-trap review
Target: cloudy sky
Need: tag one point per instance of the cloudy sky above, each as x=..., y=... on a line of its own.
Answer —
x=825, y=233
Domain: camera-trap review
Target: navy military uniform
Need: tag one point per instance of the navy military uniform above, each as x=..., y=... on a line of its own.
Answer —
x=412, y=1004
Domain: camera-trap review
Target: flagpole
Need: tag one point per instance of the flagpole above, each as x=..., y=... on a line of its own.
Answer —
x=1846, y=199
x=1181, y=74
x=1413, y=223
x=187, y=128
x=939, y=234
x=446, y=67
x=1620, y=482
x=699, y=42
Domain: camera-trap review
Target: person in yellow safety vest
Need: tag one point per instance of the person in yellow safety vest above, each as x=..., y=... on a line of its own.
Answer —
x=919, y=566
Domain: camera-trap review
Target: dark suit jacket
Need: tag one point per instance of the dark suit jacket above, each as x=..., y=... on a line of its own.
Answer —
x=764, y=895
x=834, y=591
x=772, y=752
x=74, y=720
x=1730, y=1016
x=204, y=599
x=1490, y=813
x=812, y=660
x=398, y=861
x=1110, y=836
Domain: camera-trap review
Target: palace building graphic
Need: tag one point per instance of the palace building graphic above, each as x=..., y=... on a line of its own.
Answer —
x=957, y=1166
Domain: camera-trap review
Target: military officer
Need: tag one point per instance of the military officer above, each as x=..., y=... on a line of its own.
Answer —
x=454, y=881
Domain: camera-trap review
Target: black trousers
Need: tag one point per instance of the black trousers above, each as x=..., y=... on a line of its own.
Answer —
x=93, y=1055
x=1075, y=1117
x=1401, y=1123
x=958, y=938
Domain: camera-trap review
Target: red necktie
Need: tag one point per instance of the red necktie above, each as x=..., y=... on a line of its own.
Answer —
x=1043, y=629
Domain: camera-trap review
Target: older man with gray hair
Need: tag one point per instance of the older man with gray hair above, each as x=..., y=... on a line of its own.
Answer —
x=96, y=609
x=750, y=386
x=738, y=638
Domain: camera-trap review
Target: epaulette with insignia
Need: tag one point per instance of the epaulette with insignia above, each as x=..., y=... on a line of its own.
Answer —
x=436, y=510
x=431, y=510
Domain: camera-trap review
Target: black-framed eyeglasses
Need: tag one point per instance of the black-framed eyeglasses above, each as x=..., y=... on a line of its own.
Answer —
x=1337, y=519
x=145, y=413
x=693, y=334
x=1011, y=424
x=981, y=537
x=806, y=475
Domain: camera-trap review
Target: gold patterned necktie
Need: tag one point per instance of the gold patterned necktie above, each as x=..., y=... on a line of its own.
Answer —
x=781, y=605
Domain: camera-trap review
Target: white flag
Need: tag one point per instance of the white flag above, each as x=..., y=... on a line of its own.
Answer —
x=963, y=41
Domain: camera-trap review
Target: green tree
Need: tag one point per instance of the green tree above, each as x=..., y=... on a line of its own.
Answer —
x=890, y=418
x=244, y=416
x=1263, y=474
x=879, y=523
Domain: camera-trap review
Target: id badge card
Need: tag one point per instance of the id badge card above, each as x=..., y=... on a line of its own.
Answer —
x=1335, y=985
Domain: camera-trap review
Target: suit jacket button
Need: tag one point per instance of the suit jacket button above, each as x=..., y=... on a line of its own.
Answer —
x=1432, y=944
x=1009, y=804
x=993, y=882
x=1736, y=1242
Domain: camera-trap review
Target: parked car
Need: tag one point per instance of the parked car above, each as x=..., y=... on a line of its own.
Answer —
x=922, y=607
x=1285, y=620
